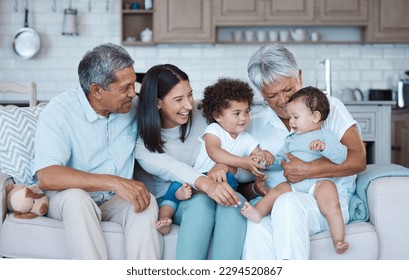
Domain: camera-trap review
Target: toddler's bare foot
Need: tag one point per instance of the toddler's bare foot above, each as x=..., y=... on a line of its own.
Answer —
x=341, y=246
x=184, y=192
x=163, y=225
x=251, y=213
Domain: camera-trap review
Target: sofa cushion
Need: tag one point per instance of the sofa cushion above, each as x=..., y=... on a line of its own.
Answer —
x=44, y=232
x=18, y=126
x=362, y=239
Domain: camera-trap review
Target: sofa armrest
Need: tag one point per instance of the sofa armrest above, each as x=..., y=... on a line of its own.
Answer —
x=388, y=203
x=4, y=180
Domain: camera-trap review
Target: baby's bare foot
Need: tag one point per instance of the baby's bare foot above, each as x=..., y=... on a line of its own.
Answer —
x=251, y=213
x=163, y=225
x=184, y=192
x=341, y=246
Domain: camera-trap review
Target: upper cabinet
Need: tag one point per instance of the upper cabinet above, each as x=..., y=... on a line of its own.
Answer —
x=346, y=12
x=290, y=12
x=389, y=21
x=262, y=12
x=211, y=21
x=183, y=21
x=238, y=12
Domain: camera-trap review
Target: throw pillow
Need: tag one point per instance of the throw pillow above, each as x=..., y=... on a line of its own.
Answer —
x=17, y=133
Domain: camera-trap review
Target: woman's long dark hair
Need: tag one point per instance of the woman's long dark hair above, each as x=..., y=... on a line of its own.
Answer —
x=156, y=84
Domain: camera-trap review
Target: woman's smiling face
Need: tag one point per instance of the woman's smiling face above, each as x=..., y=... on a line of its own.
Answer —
x=175, y=107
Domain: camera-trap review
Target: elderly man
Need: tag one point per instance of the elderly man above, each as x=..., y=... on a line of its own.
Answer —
x=84, y=159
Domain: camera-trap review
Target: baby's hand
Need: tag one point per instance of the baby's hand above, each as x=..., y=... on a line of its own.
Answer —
x=317, y=145
x=265, y=158
x=252, y=165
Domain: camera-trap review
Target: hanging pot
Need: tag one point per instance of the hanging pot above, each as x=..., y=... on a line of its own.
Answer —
x=26, y=41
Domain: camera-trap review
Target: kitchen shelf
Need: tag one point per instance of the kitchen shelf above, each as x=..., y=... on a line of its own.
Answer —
x=133, y=22
x=137, y=11
x=327, y=34
x=289, y=42
x=137, y=43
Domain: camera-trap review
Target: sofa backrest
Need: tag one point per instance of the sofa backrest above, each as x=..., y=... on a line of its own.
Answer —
x=17, y=133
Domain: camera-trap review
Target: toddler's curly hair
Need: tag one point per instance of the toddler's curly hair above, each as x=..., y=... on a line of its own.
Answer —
x=216, y=97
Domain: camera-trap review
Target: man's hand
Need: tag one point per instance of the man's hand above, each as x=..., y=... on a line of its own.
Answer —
x=134, y=192
x=295, y=170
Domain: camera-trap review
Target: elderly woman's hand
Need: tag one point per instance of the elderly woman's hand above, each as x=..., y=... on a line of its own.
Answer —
x=295, y=170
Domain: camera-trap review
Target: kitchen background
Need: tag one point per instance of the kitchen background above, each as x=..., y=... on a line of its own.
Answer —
x=54, y=69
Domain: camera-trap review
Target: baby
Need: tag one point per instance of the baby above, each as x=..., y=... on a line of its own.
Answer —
x=308, y=108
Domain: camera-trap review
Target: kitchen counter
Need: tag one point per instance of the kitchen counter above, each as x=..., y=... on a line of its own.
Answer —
x=371, y=103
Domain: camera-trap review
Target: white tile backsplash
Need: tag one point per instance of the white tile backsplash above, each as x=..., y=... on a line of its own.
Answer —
x=54, y=68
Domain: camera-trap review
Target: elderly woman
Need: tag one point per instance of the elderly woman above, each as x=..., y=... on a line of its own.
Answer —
x=295, y=216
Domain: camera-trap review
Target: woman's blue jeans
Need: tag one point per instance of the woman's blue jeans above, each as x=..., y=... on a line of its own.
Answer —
x=204, y=222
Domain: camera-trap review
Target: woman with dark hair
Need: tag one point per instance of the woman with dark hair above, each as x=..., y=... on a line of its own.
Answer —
x=169, y=125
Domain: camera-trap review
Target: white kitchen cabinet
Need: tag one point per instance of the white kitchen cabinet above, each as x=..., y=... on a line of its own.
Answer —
x=389, y=21
x=374, y=118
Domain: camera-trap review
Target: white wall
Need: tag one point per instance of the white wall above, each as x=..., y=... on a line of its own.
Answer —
x=55, y=67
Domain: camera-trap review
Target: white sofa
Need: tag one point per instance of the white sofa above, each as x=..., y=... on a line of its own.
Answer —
x=383, y=236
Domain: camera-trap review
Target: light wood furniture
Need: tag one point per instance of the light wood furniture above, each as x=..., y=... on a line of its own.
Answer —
x=400, y=136
x=134, y=21
x=200, y=21
x=30, y=90
x=183, y=21
x=294, y=12
x=389, y=21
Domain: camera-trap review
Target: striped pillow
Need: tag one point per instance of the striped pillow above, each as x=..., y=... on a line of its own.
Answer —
x=17, y=133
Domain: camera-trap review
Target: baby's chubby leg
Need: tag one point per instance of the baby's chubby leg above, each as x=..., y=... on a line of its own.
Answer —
x=327, y=198
x=170, y=203
x=264, y=206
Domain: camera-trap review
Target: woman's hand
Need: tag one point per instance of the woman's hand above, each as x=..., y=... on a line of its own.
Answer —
x=218, y=172
x=295, y=170
x=221, y=192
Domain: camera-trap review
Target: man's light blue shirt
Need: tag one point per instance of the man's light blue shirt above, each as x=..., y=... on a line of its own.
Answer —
x=70, y=133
